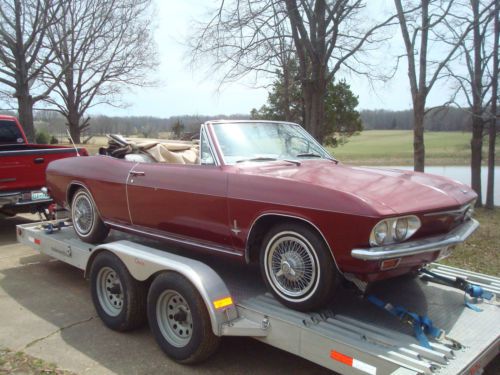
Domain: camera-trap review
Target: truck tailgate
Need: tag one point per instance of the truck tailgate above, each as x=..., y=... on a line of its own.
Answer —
x=23, y=167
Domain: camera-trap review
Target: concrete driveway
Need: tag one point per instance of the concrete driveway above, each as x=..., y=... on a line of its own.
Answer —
x=46, y=311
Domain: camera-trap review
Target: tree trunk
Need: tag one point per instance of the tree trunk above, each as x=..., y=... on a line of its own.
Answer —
x=418, y=134
x=25, y=109
x=476, y=147
x=314, y=109
x=476, y=143
x=286, y=92
x=490, y=190
x=73, y=118
x=490, y=185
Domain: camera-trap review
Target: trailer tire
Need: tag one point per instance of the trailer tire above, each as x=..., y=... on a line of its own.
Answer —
x=179, y=319
x=297, y=267
x=119, y=299
x=87, y=223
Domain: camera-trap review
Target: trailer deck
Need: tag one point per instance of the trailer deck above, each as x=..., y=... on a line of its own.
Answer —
x=352, y=336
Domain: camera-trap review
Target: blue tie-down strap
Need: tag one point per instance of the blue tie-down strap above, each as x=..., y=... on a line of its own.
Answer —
x=474, y=291
x=477, y=292
x=50, y=227
x=422, y=325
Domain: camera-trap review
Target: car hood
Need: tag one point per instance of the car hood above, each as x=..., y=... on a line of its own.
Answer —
x=386, y=190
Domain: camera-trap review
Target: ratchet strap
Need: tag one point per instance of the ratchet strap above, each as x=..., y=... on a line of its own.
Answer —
x=51, y=227
x=422, y=325
x=474, y=291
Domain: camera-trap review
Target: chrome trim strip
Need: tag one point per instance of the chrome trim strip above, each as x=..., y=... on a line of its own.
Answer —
x=192, y=243
x=456, y=212
x=247, y=255
x=126, y=192
x=456, y=236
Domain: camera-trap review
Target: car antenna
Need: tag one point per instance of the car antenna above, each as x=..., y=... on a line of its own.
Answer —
x=71, y=139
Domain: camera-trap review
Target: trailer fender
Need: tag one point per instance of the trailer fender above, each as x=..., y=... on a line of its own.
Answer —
x=143, y=262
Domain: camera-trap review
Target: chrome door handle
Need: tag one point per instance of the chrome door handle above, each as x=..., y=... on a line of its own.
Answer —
x=136, y=173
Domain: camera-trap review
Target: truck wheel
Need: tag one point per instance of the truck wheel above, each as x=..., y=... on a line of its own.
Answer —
x=86, y=221
x=297, y=267
x=119, y=299
x=179, y=319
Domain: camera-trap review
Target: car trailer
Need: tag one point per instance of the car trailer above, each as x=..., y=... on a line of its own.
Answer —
x=190, y=305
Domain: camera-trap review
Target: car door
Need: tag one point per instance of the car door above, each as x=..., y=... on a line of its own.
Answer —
x=184, y=200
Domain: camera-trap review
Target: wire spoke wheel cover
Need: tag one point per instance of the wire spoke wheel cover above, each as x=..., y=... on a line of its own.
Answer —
x=292, y=266
x=174, y=318
x=83, y=214
x=109, y=291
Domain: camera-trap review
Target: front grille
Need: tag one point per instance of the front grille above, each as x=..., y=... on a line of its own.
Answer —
x=443, y=221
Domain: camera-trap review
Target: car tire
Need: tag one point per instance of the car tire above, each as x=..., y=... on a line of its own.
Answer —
x=298, y=267
x=119, y=299
x=179, y=319
x=87, y=223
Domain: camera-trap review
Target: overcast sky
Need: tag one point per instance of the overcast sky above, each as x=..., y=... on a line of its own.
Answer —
x=184, y=91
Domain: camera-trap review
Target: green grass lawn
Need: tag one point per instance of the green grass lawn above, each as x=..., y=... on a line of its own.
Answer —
x=481, y=252
x=395, y=147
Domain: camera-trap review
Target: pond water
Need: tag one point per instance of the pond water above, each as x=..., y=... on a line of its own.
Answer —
x=462, y=174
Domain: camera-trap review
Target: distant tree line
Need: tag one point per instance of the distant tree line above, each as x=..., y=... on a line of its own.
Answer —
x=446, y=119
x=54, y=124
x=450, y=119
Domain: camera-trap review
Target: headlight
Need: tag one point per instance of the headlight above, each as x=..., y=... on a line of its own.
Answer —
x=397, y=229
x=400, y=229
x=380, y=232
x=469, y=212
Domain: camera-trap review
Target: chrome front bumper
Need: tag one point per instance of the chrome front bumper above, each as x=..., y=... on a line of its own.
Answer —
x=425, y=245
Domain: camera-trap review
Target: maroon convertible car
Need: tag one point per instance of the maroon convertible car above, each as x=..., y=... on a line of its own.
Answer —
x=267, y=192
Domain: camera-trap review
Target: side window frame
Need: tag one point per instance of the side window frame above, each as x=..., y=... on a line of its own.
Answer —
x=204, y=141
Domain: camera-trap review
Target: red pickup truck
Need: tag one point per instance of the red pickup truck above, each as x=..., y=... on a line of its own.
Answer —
x=22, y=169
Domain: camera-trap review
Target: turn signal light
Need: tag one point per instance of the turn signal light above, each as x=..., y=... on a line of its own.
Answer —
x=389, y=264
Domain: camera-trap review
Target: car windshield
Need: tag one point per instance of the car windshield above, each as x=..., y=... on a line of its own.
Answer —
x=266, y=141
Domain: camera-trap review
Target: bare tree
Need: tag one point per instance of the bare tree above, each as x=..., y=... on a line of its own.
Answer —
x=474, y=80
x=110, y=47
x=325, y=36
x=417, y=27
x=24, y=54
x=243, y=38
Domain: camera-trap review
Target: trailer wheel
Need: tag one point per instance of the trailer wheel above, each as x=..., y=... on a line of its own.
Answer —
x=120, y=300
x=86, y=220
x=297, y=267
x=179, y=319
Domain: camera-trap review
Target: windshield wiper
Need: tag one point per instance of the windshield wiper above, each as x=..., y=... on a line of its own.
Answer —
x=263, y=158
x=314, y=155
x=308, y=154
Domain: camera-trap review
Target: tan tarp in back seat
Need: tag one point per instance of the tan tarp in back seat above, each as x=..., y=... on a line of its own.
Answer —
x=172, y=153
x=163, y=151
x=168, y=152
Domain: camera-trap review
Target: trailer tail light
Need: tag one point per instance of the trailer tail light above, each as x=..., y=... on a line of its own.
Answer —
x=34, y=240
x=223, y=302
x=353, y=362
